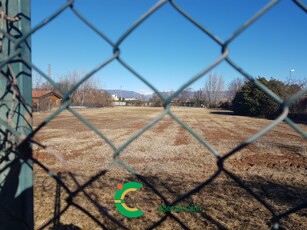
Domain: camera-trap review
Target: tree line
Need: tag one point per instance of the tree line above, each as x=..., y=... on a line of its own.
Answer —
x=87, y=94
x=241, y=96
x=209, y=96
x=251, y=101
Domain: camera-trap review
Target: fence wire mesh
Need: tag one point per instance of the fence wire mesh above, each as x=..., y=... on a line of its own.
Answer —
x=72, y=192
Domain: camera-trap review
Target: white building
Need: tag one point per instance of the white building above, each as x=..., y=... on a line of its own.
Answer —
x=114, y=97
x=131, y=99
x=119, y=103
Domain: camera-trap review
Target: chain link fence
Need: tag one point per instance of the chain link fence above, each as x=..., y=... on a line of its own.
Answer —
x=12, y=140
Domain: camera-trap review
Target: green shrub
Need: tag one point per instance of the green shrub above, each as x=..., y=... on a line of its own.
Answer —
x=252, y=101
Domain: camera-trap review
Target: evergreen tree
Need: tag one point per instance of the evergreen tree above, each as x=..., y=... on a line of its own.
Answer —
x=252, y=101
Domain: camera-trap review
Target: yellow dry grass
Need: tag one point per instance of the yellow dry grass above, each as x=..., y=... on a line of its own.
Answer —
x=173, y=162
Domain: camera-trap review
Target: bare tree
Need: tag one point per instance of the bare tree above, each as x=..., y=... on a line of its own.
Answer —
x=199, y=97
x=87, y=94
x=156, y=100
x=213, y=89
x=199, y=94
x=39, y=82
x=234, y=86
x=185, y=94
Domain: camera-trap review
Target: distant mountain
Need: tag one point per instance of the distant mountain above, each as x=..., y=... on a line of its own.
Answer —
x=133, y=94
x=129, y=94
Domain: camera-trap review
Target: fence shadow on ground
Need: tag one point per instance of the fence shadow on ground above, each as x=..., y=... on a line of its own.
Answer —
x=224, y=112
x=211, y=196
x=297, y=118
x=61, y=226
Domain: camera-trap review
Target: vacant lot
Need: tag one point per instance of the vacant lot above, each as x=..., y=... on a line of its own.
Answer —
x=173, y=163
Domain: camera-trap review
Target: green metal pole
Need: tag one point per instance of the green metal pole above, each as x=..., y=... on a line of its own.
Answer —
x=16, y=174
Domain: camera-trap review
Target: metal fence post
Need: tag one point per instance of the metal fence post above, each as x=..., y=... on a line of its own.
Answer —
x=16, y=175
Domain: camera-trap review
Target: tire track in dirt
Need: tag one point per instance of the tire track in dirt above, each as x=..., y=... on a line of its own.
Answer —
x=278, y=162
x=182, y=138
x=222, y=131
x=162, y=126
x=215, y=134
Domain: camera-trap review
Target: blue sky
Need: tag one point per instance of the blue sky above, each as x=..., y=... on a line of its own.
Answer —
x=167, y=49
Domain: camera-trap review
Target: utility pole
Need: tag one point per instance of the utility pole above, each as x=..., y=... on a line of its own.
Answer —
x=291, y=70
x=49, y=71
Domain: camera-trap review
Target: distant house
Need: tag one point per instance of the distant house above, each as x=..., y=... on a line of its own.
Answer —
x=131, y=99
x=43, y=100
x=114, y=97
x=119, y=103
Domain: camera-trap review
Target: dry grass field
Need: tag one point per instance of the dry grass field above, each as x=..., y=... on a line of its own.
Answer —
x=173, y=162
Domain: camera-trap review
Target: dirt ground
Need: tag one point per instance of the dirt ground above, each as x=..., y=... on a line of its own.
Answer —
x=169, y=162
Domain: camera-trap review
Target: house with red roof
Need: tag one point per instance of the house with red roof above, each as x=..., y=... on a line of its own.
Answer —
x=43, y=100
